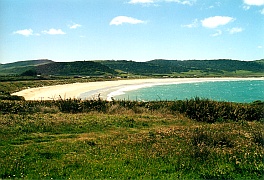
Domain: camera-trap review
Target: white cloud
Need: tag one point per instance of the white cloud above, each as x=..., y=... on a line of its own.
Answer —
x=24, y=32
x=124, y=19
x=184, y=2
x=235, y=30
x=260, y=47
x=140, y=1
x=54, y=32
x=246, y=7
x=254, y=2
x=192, y=25
x=74, y=26
x=213, y=22
x=218, y=33
x=262, y=11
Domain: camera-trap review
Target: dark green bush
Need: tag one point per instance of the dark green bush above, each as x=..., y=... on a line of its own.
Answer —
x=206, y=110
x=197, y=109
x=13, y=97
x=258, y=137
x=70, y=105
x=202, y=136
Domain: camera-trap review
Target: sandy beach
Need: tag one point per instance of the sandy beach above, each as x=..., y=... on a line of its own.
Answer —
x=106, y=89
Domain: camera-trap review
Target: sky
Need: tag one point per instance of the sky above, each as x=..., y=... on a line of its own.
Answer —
x=138, y=30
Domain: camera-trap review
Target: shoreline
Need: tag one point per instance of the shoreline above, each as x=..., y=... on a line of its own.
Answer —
x=107, y=89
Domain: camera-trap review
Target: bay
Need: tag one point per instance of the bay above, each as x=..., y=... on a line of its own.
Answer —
x=231, y=91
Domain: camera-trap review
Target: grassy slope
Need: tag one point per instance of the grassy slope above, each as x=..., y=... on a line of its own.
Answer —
x=74, y=68
x=25, y=63
x=21, y=66
x=127, y=145
x=155, y=67
x=189, y=68
x=84, y=68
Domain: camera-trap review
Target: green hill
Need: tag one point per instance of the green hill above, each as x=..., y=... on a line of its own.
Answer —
x=26, y=63
x=81, y=68
x=21, y=66
x=48, y=67
x=132, y=67
x=204, y=67
x=261, y=61
x=157, y=67
x=210, y=65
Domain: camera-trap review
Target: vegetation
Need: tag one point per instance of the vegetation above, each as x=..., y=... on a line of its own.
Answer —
x=203, y=110
x=25, y=63
x=74, y=68
x=138, y=68
x=13, y=84
x=73, y=139
x=21, y=66
x=175, y=68
x=78, y=68
x=8, y=96
x=221, y=67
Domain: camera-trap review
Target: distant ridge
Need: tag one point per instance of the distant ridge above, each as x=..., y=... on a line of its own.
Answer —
x=81, y=68
x=48, y=67
x=206, y=67
x=26, y=63
x=157, y=67
x=210, y=65
x=19, y=67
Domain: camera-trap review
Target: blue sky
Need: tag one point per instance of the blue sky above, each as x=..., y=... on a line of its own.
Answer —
x=138, y=30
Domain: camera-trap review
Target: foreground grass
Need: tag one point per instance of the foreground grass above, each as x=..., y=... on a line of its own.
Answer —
x=128, y=145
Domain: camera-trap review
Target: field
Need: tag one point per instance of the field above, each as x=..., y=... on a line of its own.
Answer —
x=73, y=139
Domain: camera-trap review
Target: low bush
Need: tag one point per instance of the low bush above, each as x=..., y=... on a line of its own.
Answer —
x=203, y=110
x=13, y=97
x=206, y=110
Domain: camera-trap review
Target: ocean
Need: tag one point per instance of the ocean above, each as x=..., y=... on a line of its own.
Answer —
x=243, y=91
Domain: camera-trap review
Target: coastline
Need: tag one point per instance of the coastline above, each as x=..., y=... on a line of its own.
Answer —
x=106, y=89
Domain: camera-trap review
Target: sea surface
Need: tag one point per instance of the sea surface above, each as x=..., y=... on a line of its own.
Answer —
x=231, y=91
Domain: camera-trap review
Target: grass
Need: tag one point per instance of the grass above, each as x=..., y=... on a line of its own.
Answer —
x=127, y=143
x=74, y=139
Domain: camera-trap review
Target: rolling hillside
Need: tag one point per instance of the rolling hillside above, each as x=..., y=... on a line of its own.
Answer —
x=210, y=65
x=82, y=68
x=132, y=67
x=158, y=67
x=26, y=63
x=21, y=66
x=220, y=66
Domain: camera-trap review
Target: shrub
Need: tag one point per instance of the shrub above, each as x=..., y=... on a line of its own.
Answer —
x=13, y=97
x=203, y=110
x=258, y=137
x=70, y=105
x=203, y=136
x=206, y=110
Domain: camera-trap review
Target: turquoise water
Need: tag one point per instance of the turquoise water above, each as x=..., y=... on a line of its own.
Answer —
x=231, y=91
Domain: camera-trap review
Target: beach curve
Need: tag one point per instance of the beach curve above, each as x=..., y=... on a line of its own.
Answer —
x=106, y=89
